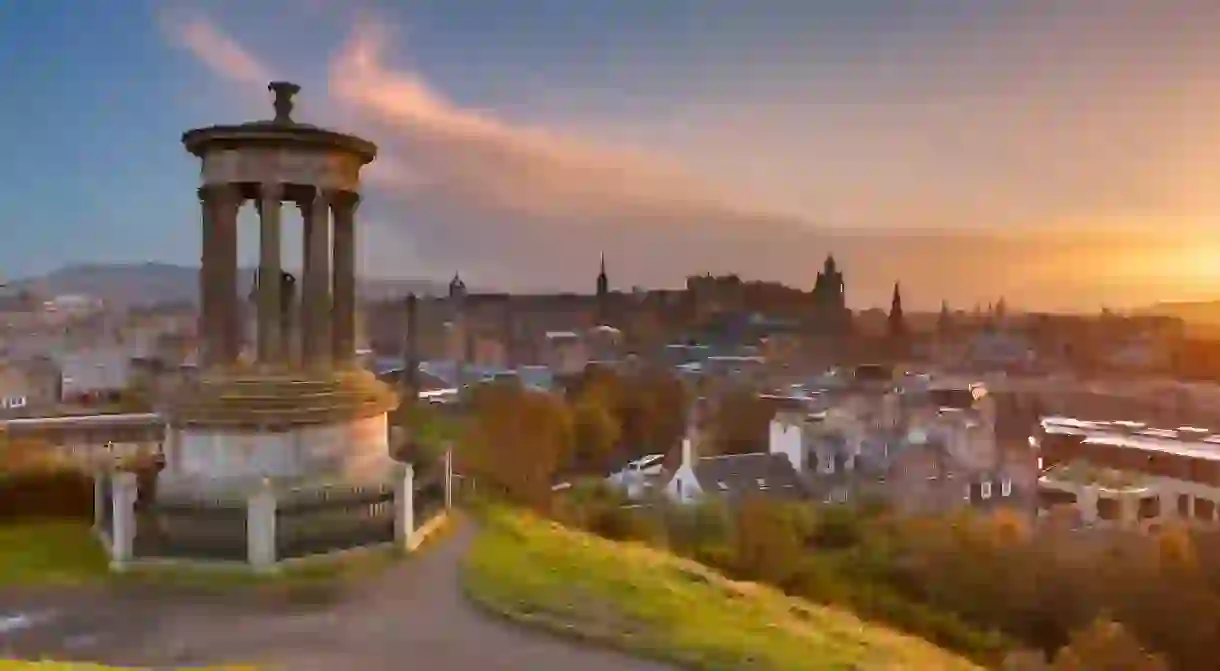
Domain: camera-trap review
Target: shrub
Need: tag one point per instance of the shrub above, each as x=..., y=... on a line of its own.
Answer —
x=1103, y=646
x=46, y=492
x=696, y=525
x=816, y=580
x=836, y=528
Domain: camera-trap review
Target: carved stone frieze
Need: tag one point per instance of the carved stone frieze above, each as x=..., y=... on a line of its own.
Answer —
x=335, y=171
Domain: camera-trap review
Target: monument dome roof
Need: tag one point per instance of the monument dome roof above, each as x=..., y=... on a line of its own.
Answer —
x=280, y=131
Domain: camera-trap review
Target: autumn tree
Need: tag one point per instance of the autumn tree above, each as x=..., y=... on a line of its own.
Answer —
x=596, y=434
x=516, y=440
x=767, y=541
x=1176, y=550
x=421, y=433
x=739, y=421
x=1106, y=646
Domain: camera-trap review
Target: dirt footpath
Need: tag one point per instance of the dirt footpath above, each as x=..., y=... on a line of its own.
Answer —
x=413, y=616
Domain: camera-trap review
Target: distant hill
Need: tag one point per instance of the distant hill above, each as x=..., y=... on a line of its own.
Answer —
x=131, y=284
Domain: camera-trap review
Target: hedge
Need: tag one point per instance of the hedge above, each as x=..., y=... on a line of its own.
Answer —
x=46, y=492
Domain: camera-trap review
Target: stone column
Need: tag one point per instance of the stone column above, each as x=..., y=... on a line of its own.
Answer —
x=343, y=350
x=228, y=206
x=220, y=330
x=315, y=293
x=270, y=271
x=209, y=339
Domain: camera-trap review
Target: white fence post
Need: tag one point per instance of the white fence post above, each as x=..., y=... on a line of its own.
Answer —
x=123, y=498
x=404, y=507
x=449, y=477
x=260, y=528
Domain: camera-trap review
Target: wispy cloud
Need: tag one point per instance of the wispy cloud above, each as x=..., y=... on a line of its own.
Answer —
x=478, y=191
x=214, y=48
x=522, y=206
x=474, y=155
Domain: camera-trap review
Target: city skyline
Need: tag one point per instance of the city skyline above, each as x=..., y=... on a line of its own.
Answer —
x=1055, y=156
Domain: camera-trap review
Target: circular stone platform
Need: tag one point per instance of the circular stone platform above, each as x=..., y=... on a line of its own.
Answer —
x=279, y=401
x=285, y=425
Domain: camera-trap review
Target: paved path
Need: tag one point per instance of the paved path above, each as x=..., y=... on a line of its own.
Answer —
x=413, y=617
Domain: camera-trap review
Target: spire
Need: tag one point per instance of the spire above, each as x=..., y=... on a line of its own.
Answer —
x=943, y=322
x=603, y=281
x=410, y=351
x=829, y=266
x=457, y=288
x=603, y=292
x=897, y=321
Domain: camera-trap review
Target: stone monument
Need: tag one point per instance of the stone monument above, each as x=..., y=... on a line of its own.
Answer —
x=298, y=411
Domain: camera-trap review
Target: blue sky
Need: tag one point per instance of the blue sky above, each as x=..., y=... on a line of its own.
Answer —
x=678, y=136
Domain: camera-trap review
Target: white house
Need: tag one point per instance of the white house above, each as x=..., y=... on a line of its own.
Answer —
x=733, y=476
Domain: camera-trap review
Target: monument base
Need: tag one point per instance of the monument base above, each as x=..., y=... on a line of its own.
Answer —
x=291, y=424
x=355, y=449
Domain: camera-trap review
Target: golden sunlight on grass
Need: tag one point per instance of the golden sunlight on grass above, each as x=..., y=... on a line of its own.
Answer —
x=81, y=666
x=656, y=605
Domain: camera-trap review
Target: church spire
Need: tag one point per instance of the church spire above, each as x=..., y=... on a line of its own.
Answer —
x=457, y=288
x=603, y=293
x=603, y=281
x=897, y=321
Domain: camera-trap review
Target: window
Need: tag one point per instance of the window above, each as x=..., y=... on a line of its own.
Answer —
x=985, y=489
x=849, y=463
x=1184, y=505
x=1108, y=509
x=1205, y=509
x=1006, y=487
x=827, y=465
x=1150, y=507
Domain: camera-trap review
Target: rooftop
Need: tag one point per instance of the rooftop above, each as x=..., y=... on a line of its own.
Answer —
x=1193, y=442
x=737, y=475
x=1081, y=473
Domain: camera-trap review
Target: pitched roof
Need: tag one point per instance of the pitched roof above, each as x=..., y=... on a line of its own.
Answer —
x=736, y=475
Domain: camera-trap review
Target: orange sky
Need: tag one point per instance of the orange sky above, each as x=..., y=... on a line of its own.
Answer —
x=1061, y=155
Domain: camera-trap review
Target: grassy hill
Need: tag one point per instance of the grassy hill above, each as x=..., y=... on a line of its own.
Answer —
x=659, y=606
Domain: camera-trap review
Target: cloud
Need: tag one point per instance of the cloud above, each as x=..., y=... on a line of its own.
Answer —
x=473, y=155
x=215, y=49
x=522, y=207
x=477, y=192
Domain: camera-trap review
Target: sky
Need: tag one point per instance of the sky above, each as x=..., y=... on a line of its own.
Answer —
x=1063, y=155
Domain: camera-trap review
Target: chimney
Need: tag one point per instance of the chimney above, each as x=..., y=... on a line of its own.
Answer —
x=410, y=350
x=688, y=452
x=787, y=437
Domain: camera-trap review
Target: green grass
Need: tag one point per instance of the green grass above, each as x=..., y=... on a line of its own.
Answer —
x=65, y=553
x=657, y=605
x=81, y=666
x=50, y=553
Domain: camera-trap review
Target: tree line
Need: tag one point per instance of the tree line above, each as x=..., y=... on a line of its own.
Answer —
x=992, y=587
